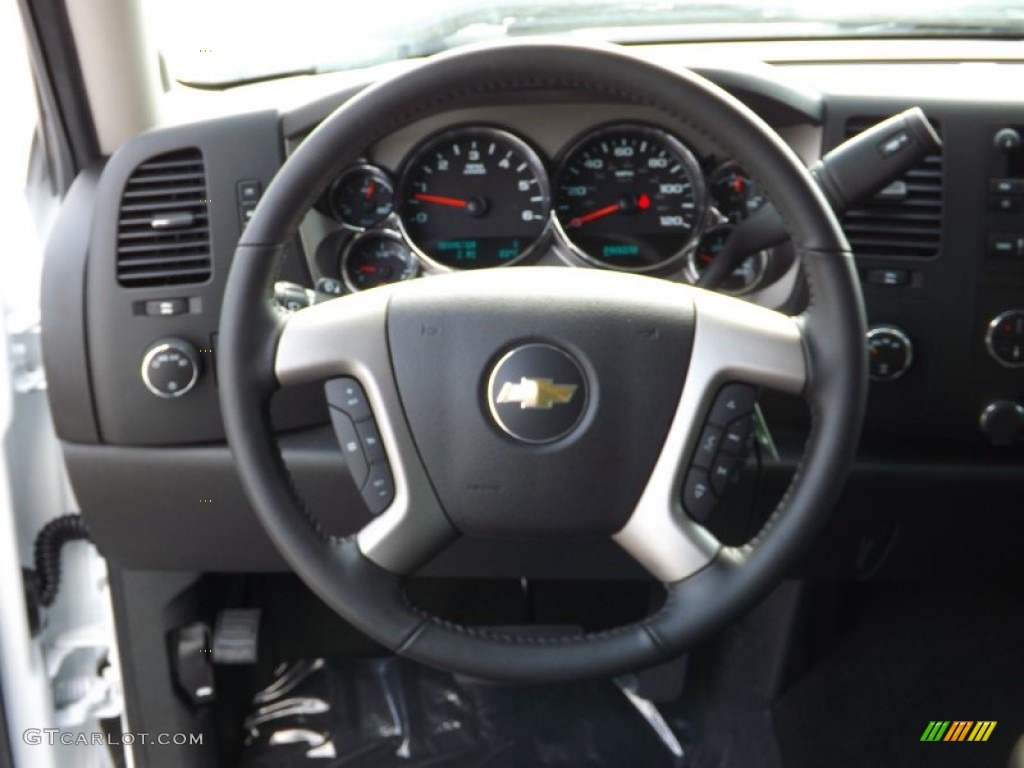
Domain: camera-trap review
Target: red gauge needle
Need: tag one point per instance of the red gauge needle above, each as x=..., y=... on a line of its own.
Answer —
x=452, y=201
x=367, y=269
x=579, y=221
x=370, y=189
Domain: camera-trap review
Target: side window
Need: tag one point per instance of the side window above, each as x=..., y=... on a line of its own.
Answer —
x=26, y=191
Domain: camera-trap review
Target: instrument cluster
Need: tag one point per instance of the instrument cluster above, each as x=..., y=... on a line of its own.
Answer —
x=627, y=196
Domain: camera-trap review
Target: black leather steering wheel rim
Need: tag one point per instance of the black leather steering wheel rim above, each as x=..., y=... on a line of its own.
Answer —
x=373, y=598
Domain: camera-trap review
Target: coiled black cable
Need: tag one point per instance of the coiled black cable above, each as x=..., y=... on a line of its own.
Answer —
x=49, y=542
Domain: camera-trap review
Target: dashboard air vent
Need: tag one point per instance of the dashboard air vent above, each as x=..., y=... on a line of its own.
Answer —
x=163, y=231
x=905, y=218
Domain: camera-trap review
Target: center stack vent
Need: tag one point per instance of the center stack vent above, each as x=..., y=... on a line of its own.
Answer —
x=905, y=218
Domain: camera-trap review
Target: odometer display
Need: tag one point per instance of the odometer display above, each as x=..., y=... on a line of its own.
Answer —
x=474, y=198
x=629, y=197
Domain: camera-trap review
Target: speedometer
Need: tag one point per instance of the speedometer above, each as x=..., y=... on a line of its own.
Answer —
x=629, y=197
x=474, y=198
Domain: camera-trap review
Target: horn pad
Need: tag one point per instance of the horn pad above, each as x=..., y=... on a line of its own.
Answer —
x=543, y=410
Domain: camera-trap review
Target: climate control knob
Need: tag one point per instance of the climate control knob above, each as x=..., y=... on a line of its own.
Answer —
x=1005, y=338
x=1002, y=421
x=170, y=368
x=890, y=352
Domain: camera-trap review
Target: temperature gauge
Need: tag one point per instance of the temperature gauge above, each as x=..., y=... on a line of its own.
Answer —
x=363, y=196
x=745, y=278
x=377, y=258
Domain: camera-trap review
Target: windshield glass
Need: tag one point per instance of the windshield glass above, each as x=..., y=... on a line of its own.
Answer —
x=240, y=40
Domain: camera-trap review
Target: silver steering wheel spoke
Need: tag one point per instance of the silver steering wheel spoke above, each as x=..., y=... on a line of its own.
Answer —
x=348, y=337
x=734, y=341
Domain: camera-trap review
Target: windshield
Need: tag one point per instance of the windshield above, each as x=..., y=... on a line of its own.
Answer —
x=240, y=40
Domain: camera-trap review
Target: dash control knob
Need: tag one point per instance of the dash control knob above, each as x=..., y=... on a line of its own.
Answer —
x=890, y=352
x=1007, y=140
x=1005, y=338
x=1002, y=422
x=170, y=368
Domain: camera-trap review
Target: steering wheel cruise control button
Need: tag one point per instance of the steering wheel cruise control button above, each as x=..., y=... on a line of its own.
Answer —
x=537, y=393
x=351, y=447
x=347, y=395
x=369, y=438
x=379, y=490
x=360, y=442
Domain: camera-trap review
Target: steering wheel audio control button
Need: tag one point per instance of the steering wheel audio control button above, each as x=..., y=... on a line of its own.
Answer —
x=723, y=443
x=351, y=446
x=722, y=471
x=738, y=435
x=707, y=446
x=698, y=498
x=537, y=393
x=733, y=400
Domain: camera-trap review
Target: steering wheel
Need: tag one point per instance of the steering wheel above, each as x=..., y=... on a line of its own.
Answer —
x=542, y=401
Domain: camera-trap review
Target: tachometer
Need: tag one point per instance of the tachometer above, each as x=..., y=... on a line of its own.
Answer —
x=630, y=197
x=473, y=198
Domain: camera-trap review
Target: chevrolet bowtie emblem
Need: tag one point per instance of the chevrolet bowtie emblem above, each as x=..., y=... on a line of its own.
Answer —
x=536, y=393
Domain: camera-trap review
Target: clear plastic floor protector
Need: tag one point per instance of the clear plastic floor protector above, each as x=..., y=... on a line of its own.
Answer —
x=379, y=713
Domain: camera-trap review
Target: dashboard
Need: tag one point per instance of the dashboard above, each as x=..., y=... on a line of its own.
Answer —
x=136, y=270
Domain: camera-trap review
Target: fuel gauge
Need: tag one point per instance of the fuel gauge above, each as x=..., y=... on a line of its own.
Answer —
x=377, y=258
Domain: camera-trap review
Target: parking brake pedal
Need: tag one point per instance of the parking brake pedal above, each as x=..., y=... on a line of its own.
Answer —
x=236, y=636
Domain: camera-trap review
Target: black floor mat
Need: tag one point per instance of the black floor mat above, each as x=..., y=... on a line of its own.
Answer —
x=915, y=654
x=388, y=713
